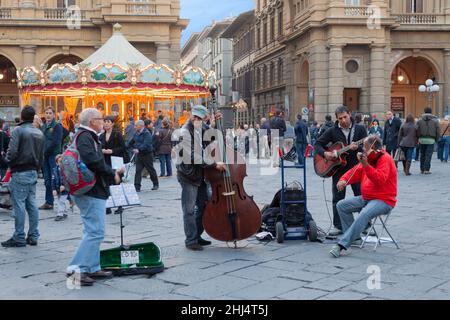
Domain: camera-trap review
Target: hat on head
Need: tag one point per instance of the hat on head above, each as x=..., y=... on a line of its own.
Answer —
x=199, y=111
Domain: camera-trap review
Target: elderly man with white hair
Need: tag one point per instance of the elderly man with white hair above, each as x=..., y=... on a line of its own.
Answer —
x=142, y=144
x=92, y=204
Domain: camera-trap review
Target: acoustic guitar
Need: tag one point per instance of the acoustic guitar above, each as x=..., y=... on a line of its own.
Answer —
x=327, y=168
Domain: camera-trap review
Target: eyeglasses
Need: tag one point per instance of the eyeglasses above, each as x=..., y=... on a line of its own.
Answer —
x=103, y=119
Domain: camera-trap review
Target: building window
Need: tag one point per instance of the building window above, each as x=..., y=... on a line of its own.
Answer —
x=352, y=66
x=353, y=3
x=280, y=22
x=272, y=73
x=280, y=71
x=264, y=42
x=264, y=75
x=65, y=3
x=272, y=28
x=258, y=38
x=414, y=6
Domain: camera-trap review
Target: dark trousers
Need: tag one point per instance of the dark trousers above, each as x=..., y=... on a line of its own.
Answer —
x=48, y=168
x=391, y=151
x=426, y=153
x=338, y=196
x=193, y=200
x=145, y=161
x=166, y=162
x=300, y=148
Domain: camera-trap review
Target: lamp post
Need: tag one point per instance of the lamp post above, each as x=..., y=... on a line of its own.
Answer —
x=430, y=87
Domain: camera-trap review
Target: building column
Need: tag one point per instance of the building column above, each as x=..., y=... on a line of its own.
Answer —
x=175, y=53
x=162, y=53
x=336, y=78
x=318, y=60
x=377, y=80
x=446, y=86
x=29, y=55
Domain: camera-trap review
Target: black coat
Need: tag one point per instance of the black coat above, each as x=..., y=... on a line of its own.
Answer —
x=90, y=150
x=116, y=144
x=279, y=124
x=390, y=139
x=334, y=135
x=301, y=132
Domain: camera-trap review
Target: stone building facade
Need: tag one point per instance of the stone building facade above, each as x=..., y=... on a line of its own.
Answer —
x=370, y=55
x=36, y=32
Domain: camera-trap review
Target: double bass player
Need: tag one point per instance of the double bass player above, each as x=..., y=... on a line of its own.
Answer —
x=190, y=175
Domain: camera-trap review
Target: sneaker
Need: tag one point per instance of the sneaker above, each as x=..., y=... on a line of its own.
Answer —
x=61, y=218
x=11, y=243
x=335, y=251
x=335, y=232
x=46, y=206
x=194, y=247
x=31, y=242
x=204, y=242
x=357, y=243
x=155, y=188
x=427, y=172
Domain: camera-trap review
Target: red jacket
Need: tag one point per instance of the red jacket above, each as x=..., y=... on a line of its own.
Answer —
x=377, y=183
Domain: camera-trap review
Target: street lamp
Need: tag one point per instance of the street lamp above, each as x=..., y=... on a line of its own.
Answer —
x=431, y=88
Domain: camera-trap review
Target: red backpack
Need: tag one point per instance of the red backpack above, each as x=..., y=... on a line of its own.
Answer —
x=76, y=175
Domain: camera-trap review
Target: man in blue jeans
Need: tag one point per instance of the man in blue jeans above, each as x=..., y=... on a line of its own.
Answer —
x=53, y=133
x=378, y=177
x=301, y=139
x=25, y=156
x=85, y=265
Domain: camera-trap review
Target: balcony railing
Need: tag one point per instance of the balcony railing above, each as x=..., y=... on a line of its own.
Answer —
x=140, y=9
x=5, y=13
x=358, y=11
x=420, y=18
x=60, y=14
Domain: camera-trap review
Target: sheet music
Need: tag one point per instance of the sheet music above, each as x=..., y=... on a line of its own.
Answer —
x=117, y=163
x=122, y=196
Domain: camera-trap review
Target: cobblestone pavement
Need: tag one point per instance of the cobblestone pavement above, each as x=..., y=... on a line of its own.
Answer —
x=293, y=270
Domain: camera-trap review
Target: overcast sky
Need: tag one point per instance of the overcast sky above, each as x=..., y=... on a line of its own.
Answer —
x=202, y=12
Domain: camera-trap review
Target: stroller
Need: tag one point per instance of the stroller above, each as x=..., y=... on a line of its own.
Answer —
x=5, y=194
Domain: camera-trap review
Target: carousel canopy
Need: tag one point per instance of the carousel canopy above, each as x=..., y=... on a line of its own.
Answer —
x=119, y=51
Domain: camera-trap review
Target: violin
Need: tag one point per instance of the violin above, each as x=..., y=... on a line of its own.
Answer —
x=231, y=214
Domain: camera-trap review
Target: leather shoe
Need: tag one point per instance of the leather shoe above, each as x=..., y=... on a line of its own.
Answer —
x=204, y=242
x=31, y=242
x=46, y=206
x=155, y=188
x=83, y=278
x=100, y=274
x=11, y=243
x=194, y=247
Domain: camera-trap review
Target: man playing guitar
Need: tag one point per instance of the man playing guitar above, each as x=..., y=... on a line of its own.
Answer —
x=347, y=132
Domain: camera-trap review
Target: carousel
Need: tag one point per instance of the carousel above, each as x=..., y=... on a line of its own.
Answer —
x=118, y=80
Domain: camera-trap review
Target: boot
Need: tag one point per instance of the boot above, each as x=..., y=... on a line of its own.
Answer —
x=408, y=167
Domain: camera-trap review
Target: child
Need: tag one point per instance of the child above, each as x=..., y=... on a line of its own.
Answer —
x=59, y=191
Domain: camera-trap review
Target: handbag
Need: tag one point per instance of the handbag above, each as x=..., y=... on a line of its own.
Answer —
x=399, y=155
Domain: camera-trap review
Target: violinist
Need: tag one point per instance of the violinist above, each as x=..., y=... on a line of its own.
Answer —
x=190, y=174
x=377, y=174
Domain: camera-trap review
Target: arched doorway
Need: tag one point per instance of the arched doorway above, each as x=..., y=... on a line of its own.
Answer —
x=302, y=87
x=406, y=78
x=62, y=59
x=9, y=93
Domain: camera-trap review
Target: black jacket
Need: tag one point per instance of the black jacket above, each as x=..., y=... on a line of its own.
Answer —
x=193, y=172
x=390, y=139
x=116, y=144
x=280, y=124
x=26, y=148
x=301, y=132
x=334, y=135
x=90, y=150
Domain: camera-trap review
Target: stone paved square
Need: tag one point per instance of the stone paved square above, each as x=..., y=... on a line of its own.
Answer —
x=257, y=270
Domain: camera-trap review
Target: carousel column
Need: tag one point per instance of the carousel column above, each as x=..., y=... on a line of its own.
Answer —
x=162, y=53
x=29, y=55
x=377, y=80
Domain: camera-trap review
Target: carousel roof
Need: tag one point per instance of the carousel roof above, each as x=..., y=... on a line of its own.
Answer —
x=119, y=51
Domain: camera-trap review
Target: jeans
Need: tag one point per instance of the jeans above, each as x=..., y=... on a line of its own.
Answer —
x=48, y=168
x=23, y=196
x=426, y=153
x=145, y=161
x=446, y=148
x=301, y=149
x=408, y=153
x=368, y=210
x=166, y=162
x=340, y=195
x=193, y=200
x=87, y=257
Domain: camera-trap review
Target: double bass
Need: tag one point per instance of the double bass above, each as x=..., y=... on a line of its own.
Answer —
x=231, y=214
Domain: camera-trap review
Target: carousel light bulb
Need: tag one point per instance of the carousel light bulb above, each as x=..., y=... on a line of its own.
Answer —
x=422, y=88
x=429, y=82
x=1, y=76
x=435, y=88
x=401, y=78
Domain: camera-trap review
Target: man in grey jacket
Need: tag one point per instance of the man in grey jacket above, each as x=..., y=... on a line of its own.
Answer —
x=428, y=131
x=25, y=156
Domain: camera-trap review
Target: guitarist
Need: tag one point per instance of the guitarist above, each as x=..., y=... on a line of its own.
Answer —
x=347, y=132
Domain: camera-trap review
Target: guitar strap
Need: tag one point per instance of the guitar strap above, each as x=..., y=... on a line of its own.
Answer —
x=352, y=134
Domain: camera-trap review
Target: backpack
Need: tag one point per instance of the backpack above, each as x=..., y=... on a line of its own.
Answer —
x=76, y=175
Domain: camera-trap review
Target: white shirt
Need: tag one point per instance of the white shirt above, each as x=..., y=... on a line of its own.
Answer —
x=346, y=132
